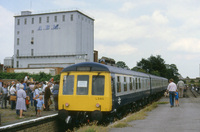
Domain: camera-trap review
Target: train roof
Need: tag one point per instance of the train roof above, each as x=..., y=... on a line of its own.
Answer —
x=93, y=66
x=153, y=76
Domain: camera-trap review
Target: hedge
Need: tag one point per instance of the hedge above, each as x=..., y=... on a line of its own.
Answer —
x=36, y=77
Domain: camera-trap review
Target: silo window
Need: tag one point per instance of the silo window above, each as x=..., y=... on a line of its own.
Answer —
x=25, y=21
x=63, y=18
x=18, y=21
x=40, y=20
x=17, y=41
x=17, y=52
x=32, y=40
x=32, y=52
x=47, y=19
x=71, y=17
x=32, y=21
x=17, y=64
x=55, y=18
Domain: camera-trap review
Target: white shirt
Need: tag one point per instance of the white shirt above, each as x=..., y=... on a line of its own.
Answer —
x=180, y=84
x=26, y=78
x=172, y=87
x=8, y=90
x=12, y=90
x=44, y=88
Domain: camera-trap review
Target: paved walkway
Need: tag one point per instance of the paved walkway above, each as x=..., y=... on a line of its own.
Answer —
x=185, y=118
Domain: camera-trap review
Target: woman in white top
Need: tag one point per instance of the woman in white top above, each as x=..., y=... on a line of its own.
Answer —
x=13, y=93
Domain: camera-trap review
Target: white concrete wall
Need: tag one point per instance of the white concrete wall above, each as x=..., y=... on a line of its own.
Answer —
x=8, y=61
x=70, y=38
x=36, y=71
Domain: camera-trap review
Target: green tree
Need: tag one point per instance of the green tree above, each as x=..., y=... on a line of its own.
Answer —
x=145, y=65
x=192, y=81
x=172, y=72
x=121, y=64
x=156, y=65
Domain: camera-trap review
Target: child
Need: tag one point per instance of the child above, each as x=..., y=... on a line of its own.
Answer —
x=27, y=102
x=40, y=103
x=176, y=98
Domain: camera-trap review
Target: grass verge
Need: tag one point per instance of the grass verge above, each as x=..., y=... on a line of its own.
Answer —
x=92, y=128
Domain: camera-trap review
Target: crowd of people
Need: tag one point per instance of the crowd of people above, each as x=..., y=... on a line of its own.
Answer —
x=21, y=94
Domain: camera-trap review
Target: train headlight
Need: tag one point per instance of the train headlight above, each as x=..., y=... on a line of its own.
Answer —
x=98, y=105
x=67, y=104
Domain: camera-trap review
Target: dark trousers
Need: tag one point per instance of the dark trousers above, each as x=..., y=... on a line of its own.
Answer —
x=55, y=98
x=31, y=99
x=171, y=97
x=4, y=101
x=35, y=104
x=46, y=103
x=17, y=111
x=13, y=103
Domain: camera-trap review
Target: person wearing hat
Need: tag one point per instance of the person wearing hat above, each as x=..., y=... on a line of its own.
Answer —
x=21, y=96
x=172, y=89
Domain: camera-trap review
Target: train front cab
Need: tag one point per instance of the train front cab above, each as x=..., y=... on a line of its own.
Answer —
x=85, y=92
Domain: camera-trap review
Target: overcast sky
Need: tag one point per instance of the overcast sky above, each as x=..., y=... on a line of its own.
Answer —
x=125, y=30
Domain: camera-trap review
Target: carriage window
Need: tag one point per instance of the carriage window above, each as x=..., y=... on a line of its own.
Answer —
x=98, y=85
x=146, y=82
x=130, y=84
x=142, y=83
x=136, y=83
x=82, y=85
x=68, y=85
x=125, y=84
x=139, y=83
x=118, y=84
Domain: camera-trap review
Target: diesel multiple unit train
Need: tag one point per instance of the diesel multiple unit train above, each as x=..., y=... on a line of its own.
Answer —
x=93, y=91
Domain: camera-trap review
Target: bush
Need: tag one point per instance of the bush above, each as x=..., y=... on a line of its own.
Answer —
x=36, y=77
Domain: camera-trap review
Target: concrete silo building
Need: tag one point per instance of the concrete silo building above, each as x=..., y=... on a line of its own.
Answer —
x=55, y=39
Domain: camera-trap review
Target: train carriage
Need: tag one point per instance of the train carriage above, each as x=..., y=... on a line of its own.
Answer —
x=92, y=91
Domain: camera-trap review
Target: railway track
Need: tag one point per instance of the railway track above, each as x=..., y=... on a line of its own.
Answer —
x=195, y=94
